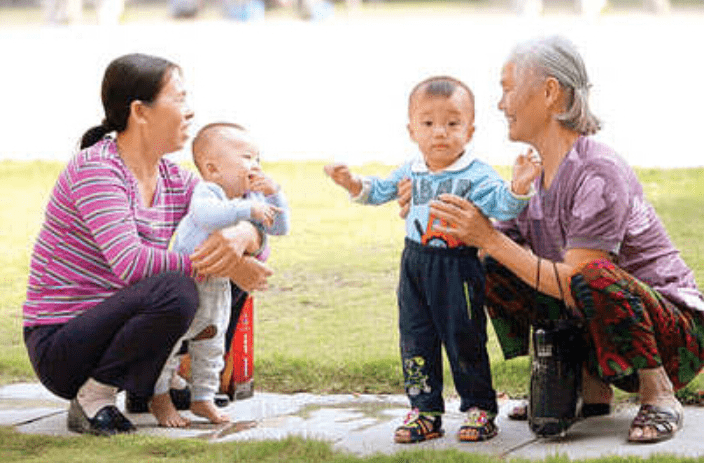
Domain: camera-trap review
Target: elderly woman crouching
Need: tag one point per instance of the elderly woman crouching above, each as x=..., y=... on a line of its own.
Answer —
x=590, y=230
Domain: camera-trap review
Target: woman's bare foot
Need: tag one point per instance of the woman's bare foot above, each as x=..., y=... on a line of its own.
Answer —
x=165, y=413
x=206, y=409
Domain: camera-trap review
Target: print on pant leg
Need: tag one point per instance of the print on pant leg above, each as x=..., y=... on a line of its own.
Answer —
x=416, y=382
x=468, y=299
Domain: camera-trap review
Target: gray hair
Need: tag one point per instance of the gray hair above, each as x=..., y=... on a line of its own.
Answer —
x=557, y=57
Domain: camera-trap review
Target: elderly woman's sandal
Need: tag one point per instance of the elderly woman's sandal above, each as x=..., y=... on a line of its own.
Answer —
x=418, y=427
x=664, y=421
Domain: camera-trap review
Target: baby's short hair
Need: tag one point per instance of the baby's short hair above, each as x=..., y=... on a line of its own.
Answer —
x=444, y=86
x=205, y=135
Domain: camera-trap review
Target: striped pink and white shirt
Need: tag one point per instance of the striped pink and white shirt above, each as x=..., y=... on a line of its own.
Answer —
x=98, y=237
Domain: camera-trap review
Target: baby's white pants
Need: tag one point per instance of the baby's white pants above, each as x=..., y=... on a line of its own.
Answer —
x=207, y=355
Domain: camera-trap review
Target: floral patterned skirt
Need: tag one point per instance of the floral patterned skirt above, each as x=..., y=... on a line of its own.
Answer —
x=628, y=324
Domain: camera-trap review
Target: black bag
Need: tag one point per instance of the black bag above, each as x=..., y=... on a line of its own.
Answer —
x=556, y=370
x=556, y=376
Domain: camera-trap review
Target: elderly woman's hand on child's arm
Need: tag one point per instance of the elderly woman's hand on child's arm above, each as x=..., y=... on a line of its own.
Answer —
x=223, y=254
x=465, y=221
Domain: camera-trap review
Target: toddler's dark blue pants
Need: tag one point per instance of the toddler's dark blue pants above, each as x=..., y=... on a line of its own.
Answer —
x=441, y=302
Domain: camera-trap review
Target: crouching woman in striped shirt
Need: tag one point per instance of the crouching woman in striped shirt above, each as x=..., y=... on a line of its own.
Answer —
x=106, y=299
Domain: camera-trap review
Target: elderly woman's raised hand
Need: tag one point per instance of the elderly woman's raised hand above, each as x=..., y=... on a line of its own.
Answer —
x=465, y=221
x=223, y=254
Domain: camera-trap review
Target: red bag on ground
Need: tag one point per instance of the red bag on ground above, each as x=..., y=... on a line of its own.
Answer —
x=236, y=379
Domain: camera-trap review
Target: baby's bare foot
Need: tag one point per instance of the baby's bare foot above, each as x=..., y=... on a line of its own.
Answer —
x=165, y=413
x=207, y=409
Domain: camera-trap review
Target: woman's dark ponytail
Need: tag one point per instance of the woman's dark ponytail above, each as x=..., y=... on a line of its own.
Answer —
x=127, y=78
x=94, y=135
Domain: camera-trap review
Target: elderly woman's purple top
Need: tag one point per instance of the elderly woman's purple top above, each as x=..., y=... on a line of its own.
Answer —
x=596, y=202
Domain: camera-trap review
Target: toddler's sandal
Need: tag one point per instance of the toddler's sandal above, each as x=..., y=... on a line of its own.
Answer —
x=418, y=427
x=478, y=426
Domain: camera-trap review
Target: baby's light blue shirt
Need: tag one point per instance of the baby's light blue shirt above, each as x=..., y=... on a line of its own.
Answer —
x=211, y=210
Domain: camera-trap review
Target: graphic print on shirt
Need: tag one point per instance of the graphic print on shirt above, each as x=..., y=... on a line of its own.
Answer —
x=435, y=238
x=423, y=194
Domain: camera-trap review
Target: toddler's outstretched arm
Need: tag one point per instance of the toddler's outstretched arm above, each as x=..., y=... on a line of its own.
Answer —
x=341, y=175
x=525, y=169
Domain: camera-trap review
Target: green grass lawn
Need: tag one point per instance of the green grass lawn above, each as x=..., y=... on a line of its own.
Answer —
x=328, y=322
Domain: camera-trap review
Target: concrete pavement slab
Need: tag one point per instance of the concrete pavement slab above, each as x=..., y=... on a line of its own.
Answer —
x=362, y=425
x=22, y=404
x=605, y=436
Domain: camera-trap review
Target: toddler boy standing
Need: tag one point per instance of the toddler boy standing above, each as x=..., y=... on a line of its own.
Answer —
x=441, y=288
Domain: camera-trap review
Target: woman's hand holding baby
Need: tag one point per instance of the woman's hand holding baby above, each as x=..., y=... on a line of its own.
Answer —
x=224, y=254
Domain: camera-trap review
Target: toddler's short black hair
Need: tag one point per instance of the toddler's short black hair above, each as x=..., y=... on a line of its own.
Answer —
x=440, y=86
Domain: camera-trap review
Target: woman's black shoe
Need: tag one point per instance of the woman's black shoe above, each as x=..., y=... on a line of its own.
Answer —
x=107, y=422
